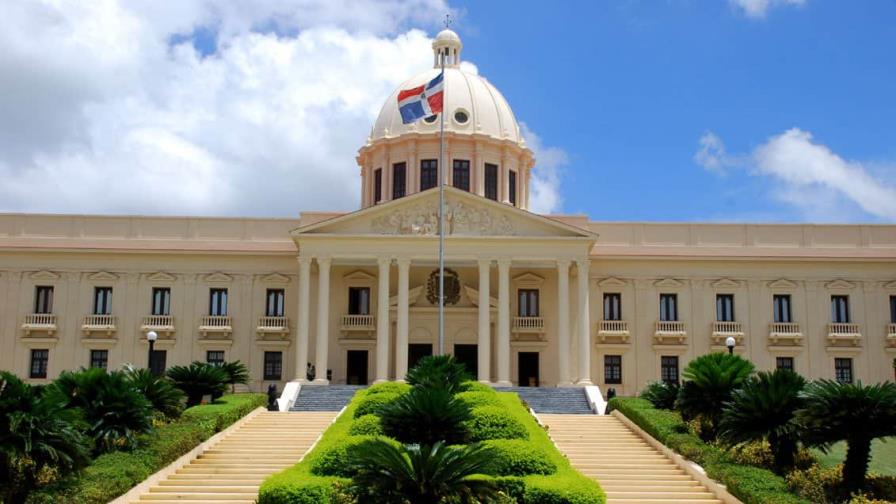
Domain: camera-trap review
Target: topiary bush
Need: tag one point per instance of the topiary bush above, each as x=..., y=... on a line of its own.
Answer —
x=661, y=394
x=493, y=422
x=516, y=457
x=334, y=460
x=426, y=416
x=371, y=404
x=474, y=399
x=366, y=425
x=475, y=386
x=389, y=388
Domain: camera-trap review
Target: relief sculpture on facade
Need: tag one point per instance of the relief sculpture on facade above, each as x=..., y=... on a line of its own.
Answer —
x=460, y=219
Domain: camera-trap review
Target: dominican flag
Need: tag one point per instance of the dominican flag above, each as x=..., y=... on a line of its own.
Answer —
x=421, y=101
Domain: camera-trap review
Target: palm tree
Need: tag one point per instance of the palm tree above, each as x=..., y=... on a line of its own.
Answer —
x=237, y=372
x=439, y=371
x=854, y=413
x=709, y=381
x=763, y=409
x=416, y=474
x=426, y=416
x=114, y=410
x=37, y=434
x=159, y=390
x=199, y=379
x=661, y=394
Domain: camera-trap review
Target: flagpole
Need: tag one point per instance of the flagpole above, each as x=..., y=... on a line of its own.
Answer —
x=443, y=173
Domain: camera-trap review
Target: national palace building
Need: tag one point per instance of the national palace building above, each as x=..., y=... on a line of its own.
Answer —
x=532, y=300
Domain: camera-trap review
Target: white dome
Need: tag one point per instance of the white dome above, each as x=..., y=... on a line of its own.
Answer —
x=471, y=104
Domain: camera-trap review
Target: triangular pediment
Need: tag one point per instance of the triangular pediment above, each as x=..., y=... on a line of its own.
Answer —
x=725, y=283
x=669, y=283
x=466, y=214
x=611, y=282
x=102, y=276
x=782, y=283
x=275, y=278
x=359, y=275
x=840, y=284
x=473, y=296
x=44, y=275
x=413, y=296
x=528, y=280
x=218, y=277
x=161, y=276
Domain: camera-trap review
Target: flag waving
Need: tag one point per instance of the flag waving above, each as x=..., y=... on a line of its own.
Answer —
x=421, y=101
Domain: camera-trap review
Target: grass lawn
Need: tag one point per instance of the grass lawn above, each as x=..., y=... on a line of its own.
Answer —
x=883, y=456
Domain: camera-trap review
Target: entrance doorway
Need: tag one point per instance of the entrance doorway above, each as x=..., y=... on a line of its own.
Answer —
x=468, y=355
x=417, y=351
x=527, y=363
x=356, y=367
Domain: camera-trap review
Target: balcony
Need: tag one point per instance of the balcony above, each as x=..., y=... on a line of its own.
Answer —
x=39, y=322
x=277, y=326
x=891, y=335
x=163, y=325
x=355, y=323
x=612, y=331
x=99, y=324
x=844, y=333
x=669, y=332
x=721, y=331
x=785, y=333
x=216, y=325
x=527, y=328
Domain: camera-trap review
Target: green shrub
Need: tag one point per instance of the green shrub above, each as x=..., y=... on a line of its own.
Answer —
x=366, y=425
x=388, y=387
x=516, y=457
x=475, y=386
x=494, y=422
x=159, y=390
x=709, y=381
x=236, y=372
x=561, y=490
x=199, y=379
x=371, y=404
x=334, y=460
x=474, y=399
x=426, y=416
x=661, y=394
x=438, y=371
x=226, y=410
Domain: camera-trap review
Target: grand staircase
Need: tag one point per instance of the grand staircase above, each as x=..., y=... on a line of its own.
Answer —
x=231, y=470
x=324, y=397
x=629, y=470
x=566, y=400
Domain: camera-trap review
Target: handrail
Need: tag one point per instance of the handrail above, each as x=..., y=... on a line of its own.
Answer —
x=40, y=319
x=99, y=320
x=613, y=326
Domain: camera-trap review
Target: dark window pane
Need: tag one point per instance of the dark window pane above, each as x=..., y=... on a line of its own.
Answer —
x=491, y=181
x=725, y=308
x=782, y=308
x=669, y=368
x=102, y=300
x=840, y=309
x=784, y=363
x=158, y=362
x=668, y=307
x=99, y=359
x=274, y=304
x=217, y=302
x=359, y=301
x=39, y=362
x=161, y=301
x=613, y=369
x=612, y=306
x=528, y=302
x=843, y=370
x=43, y=299
x=429, y=173
x=377, y=185
x=273, y=365
x=893, y=309
x=399, y=184
x=214, y=357
x=511, y=187
x=462, y=174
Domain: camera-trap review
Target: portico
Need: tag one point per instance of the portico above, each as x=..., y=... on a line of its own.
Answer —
x=384, y=253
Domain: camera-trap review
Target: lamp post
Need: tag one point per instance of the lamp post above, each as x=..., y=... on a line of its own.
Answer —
x=730, y=342
x=151, y=337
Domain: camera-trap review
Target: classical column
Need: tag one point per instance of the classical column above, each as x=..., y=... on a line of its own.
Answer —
x=485, y=340
x=563, y=347
x=323, y=320
x=504, y=322
x=382, y=320
x=302, y=319
x=584, y=350
x=401, y=336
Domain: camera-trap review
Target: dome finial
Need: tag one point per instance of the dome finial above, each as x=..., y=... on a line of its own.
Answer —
x=446, y=45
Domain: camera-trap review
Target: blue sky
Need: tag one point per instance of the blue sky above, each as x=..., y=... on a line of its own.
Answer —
x=627, y=89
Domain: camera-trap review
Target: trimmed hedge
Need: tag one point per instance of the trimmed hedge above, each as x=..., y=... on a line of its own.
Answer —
x=370, y=404
x=752, y=485
x=368, y=425
x=113, y=474
x=389, y=388
x=495, y=422
x=299, y=485
x=475, y=386
x=474, y=399
x=515, y=457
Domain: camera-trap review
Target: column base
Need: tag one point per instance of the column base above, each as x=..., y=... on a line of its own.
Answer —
x=486, y=382
x=584, y=383
x=301, y=381
x=502, y=383
x=379, y=380
x=565, y=384
x=320, y=381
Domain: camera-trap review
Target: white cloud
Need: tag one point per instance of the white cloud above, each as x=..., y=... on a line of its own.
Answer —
x=809, y=176
x=544, y=186
x=108, y=108
x=759, y=8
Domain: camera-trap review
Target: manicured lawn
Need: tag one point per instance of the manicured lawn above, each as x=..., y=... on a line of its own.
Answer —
x=883, y=456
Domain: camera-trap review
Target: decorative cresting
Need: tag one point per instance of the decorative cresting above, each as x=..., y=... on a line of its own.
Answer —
x=460, y=219
x=452, y=287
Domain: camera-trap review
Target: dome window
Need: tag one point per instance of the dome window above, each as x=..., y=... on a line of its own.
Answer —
x=461, y=116
x=431, y=119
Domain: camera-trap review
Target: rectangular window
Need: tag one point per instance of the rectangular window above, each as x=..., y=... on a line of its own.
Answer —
x=273, y=365
x=843, y=370
x=429, y=173
x=669, y=368
x=491, y=181
x=668, y=307
x=217, y=302
x=214, y=357
x=274, y=305
x=377, y=185
x=612, y=306
x=161, y=301
x=784, y=363
x=893, y=309
x=462, y=174
x=613, y=369
x=99, y=359
x=840, y=309
x=725, y=307
x=158, y=362
x=511, y=186
x=781, y=304
x=528, y=302
x=43, y=299
x=39, y=361
x=102, y=300
x=359, y=300
x=399, y=183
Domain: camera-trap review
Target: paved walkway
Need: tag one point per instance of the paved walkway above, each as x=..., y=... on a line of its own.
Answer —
x=232, y=470
x=629, y=470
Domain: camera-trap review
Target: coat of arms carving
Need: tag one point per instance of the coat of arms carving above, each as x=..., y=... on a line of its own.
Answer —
x=452, y=287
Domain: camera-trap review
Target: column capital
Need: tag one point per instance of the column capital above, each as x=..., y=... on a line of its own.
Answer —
x=384, y=262
x=324, y=261
x=563, y=263
x=504, y=262
x=584, y=263
x=485, y=261
x=303, y=260
x=403, y=262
